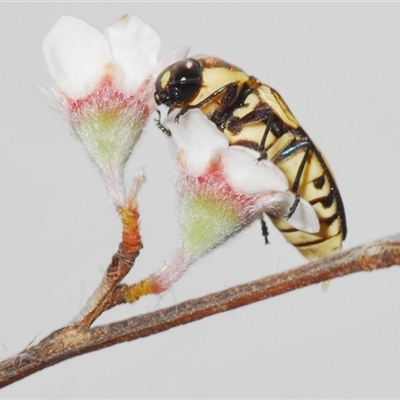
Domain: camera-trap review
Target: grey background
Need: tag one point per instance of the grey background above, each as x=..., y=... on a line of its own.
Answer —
x=337, y=66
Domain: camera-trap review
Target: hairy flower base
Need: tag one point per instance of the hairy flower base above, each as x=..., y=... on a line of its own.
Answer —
x=211, y=210
x=208, y=224
x=108, y=122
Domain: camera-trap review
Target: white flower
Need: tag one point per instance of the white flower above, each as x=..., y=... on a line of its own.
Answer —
x=222, y=189
x=104, y=85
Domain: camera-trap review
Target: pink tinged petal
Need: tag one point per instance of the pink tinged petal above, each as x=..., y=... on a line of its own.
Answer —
x=76, y=54
x=304, y=218
x=246, y=174
x=198, y=140
x=135, y=47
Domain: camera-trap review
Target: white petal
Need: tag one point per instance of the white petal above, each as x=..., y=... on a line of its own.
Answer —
x=75, y=53
x=304, y=218
x=171, y=58
x=198, y=139
x=134, y=46
x=45, y=95
x=248, y=175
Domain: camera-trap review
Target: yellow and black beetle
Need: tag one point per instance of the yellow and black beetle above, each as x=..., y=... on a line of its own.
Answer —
x=254, y=115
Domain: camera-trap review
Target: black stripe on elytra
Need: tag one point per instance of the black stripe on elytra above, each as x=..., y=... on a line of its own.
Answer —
x=311, y=243
x=334, y=189
x=289, y=230
x=330, y=220
x=326, y=201
x=315, y=242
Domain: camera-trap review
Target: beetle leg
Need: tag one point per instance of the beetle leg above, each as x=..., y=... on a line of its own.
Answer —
x=261, y=113
x=290, y=149
x=264, y=229
x=226, y=101
x=262, y=149
x=219, y=115
x=293, y=207
x=160, y=126
x=296, y=183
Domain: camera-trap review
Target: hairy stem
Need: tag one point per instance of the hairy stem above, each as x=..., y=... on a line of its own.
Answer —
x=102, y=298
x=121, y=263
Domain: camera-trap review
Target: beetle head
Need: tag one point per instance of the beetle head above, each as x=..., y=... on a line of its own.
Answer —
x=179, y=84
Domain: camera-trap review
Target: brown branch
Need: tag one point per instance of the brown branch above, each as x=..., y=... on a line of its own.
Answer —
x=76, y=340
x=121, y=263
x=102, y=298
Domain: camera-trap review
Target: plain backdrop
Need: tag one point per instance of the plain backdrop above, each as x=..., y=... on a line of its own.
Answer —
x=338, y=68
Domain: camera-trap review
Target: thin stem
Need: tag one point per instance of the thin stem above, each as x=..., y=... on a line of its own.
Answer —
x=102, y=298
x=71, y=341
x=121, y=263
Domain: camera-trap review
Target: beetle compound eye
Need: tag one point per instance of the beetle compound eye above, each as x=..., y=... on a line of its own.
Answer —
x=187, y=72
x=186, y=81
